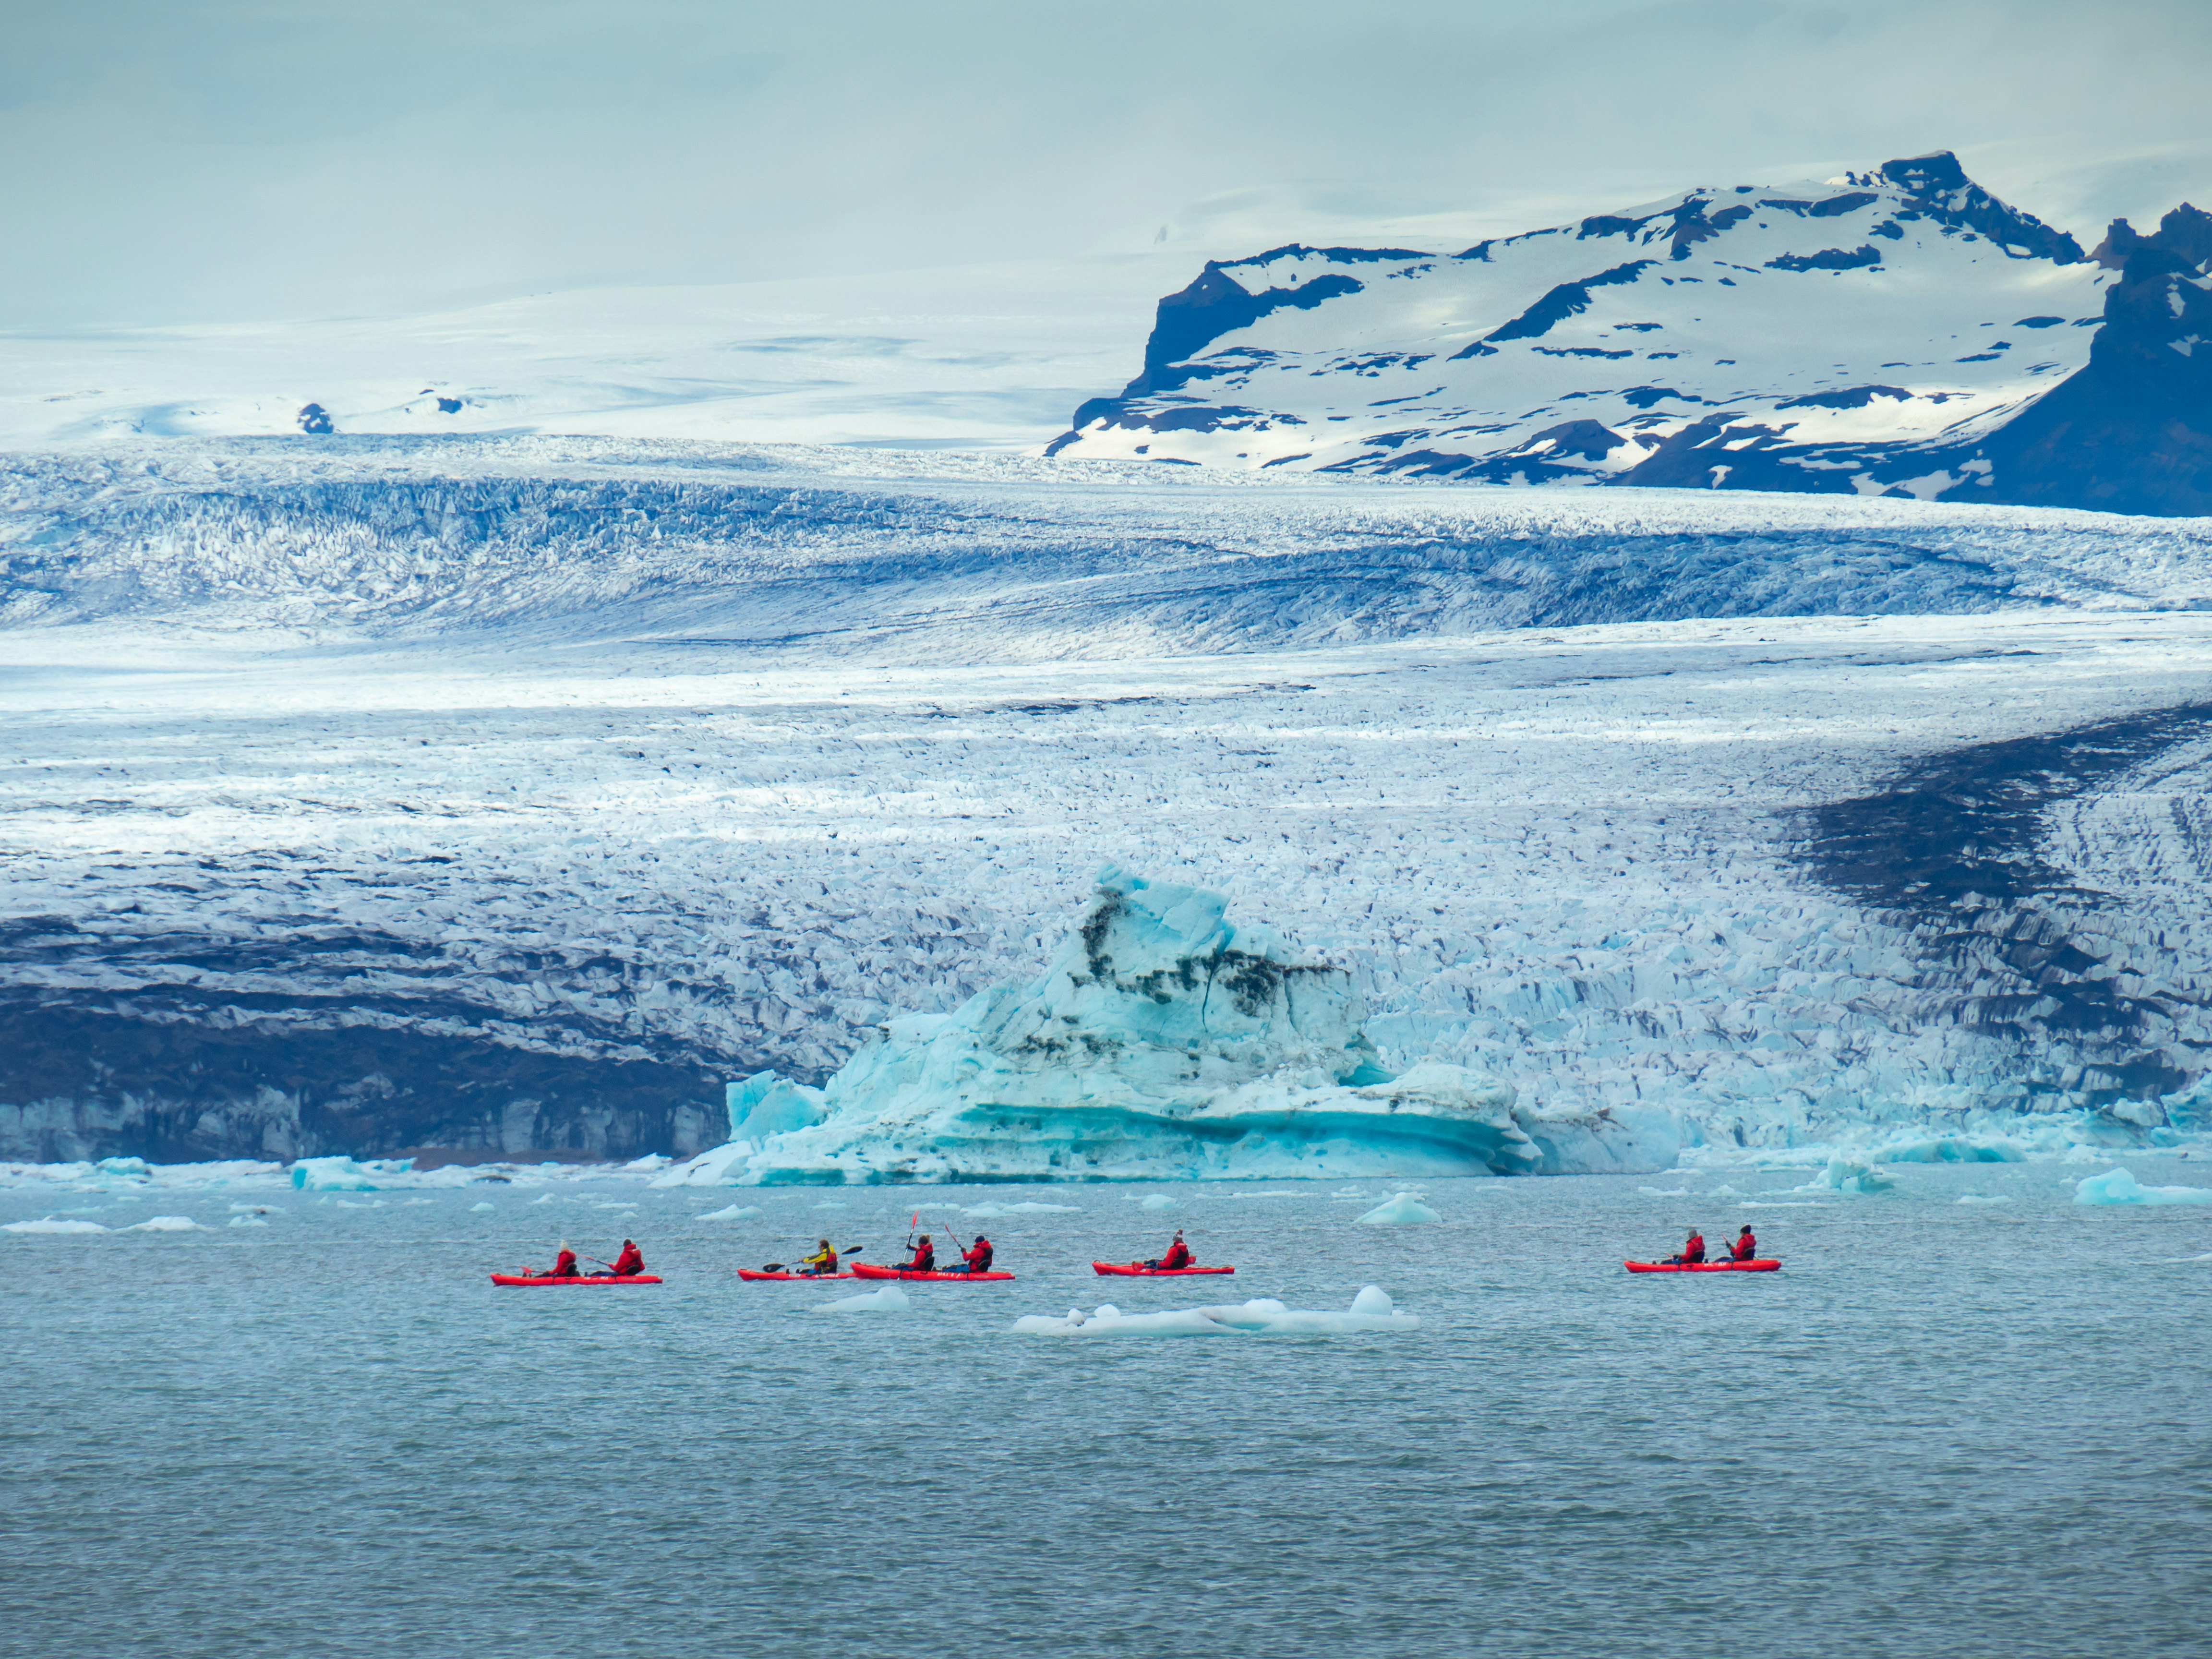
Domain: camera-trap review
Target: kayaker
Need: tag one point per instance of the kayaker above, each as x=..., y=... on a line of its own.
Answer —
x=822, y=1263
x=976, y=1260
x=564, y=1265
x=1178, y=1256
x=1746, y=1248
x=631, y=1260
x=1693, y=1252
x=925, y=1258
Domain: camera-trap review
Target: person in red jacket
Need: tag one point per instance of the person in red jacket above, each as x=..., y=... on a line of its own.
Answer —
x=978, y=1259
x=631, y=1260
x=925, y=1258
x=564, y=1265
x=1746, y=1248
x=1693, y=1251
x=1178, y=1255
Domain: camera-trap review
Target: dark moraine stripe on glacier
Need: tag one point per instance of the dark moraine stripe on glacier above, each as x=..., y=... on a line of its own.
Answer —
x=292, y=1059
x=1949, y=846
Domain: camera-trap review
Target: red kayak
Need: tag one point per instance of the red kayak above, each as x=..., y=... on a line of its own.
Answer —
x=865, y=1270
x=746, y=1273
x=582, y=1278
x=1767, y=1267
x=1139, y=1270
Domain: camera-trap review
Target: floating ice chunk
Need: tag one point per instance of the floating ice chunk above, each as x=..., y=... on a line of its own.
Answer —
x=1724, y=1191
x=1024, y=1208
x=734, y=1213
x=543, y=1198
x=1845, y=1175
x=481, y=1209
x=53, y=1224
x=250, y=1209
x=1981, y=1197
x=2119, y=1186
x=649, y=1165
x=1163, y=1042
x=1667, y=1192
x=1371, y=1310
x=247, y=1221
x=722, y=1166
x=332, y=1175
x=839, y=1204
x=1951, y=1149
x=1274, y=1194
x=1158, y=1201
x=126, y=1167
x=166, y=1223
x=613, y=1206
x=890, y=1299
x=1406, y=1210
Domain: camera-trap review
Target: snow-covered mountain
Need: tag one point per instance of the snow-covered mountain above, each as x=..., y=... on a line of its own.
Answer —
x=1897, y=332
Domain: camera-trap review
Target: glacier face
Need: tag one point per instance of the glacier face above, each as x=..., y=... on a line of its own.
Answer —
x=1162, y=1043
x=1896, y=332
x=519, y=795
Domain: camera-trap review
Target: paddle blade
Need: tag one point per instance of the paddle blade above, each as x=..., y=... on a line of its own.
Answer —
x=771, y=1266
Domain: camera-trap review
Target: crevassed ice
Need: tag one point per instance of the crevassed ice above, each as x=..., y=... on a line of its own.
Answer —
x=1162, y=1043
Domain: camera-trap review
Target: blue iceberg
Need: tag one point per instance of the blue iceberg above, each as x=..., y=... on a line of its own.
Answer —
x=1162, y=1043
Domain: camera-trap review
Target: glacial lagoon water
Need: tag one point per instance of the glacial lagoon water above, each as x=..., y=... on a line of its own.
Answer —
x=1943, y=1428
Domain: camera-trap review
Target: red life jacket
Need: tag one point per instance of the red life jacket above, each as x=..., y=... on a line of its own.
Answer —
x=924, y=1260
x=564, y=1265
x=1695, y=1250
x=1178, y=1256
x=979, y=1259
x=1744, y=1248
x=630, y=1261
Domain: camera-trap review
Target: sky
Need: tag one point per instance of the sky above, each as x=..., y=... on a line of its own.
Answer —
x=216, y=160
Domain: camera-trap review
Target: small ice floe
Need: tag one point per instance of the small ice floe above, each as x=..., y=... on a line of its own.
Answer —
x=166, y=1223
x=1158, y=1201
x=1278, y=1194
x=734, y=1213
x=250, y=1209
x=2119, y=1186
x=1724, y=1191
x=1406, y=1210
x=651, y=1164
x=1668, y=1192
x=1981, y=1197
x=833, y=1204
x=332, y=1175
x=247, y=1221
x=543, y=1198
x=1371, y=1310
x=481, y=1209
x=613, y=1206
x=53, y=1224
x=1845, y=1175
x=1026, y=1207
x=890, y=1299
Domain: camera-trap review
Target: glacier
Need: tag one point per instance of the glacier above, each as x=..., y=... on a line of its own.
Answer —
x=1162, y=1043
x=368, y=799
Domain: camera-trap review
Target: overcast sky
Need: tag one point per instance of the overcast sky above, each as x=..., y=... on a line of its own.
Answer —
x=169, y=160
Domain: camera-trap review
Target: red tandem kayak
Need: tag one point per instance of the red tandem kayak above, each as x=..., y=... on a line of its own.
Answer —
x=582, y=1278
x=747, y=1272
x=1767, y=1267
x=1139, y=1270
x=865, y=1270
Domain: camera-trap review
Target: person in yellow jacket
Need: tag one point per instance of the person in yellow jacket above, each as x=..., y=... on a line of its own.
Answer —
x=822, y=1264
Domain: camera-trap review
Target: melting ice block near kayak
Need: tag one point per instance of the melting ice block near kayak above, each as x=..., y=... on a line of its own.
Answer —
x=890, y=1299
x=1371, y=1310
x=1163, y=1041
x=1406, y=1210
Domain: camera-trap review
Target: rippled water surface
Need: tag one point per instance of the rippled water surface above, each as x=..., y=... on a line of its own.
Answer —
x=1942, y=1428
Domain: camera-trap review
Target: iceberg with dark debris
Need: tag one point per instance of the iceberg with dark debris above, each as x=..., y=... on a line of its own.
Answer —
x=1163, y=1042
